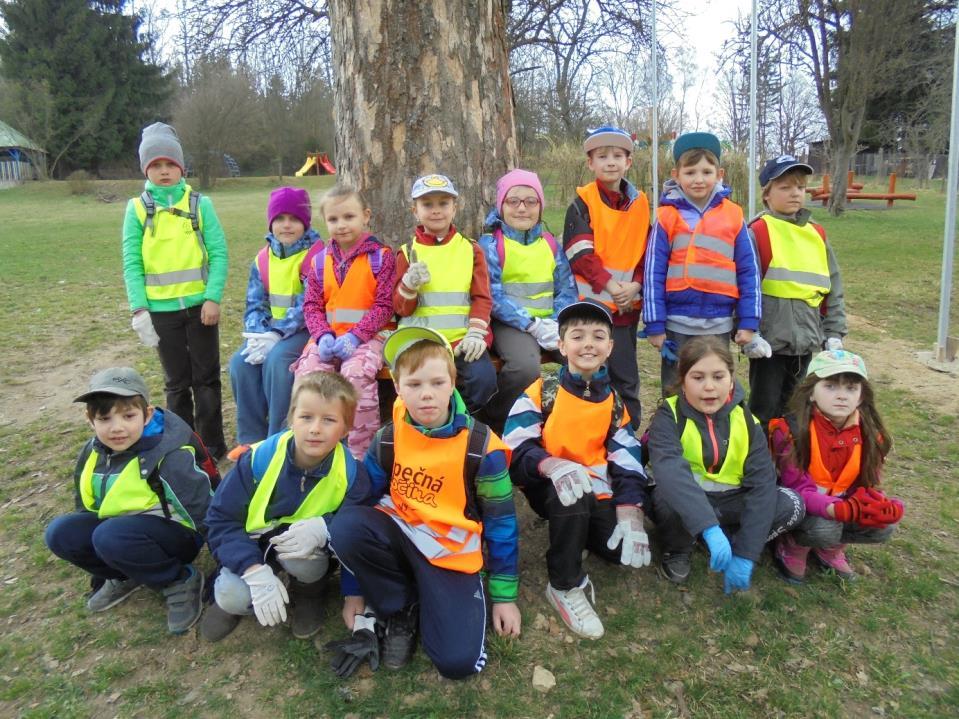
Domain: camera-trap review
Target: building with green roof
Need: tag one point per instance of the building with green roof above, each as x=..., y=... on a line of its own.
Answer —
x=21, y=158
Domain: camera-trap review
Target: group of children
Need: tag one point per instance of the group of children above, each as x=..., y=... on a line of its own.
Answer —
x=418, y=512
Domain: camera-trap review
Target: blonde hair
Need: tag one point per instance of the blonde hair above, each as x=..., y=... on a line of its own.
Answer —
x=338, y=193
x=330, y=387
x=417, y=355
x=797, y=174
x=691, y=157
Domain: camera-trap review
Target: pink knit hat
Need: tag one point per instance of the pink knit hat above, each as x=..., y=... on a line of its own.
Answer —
x=290, y=201
x=519, y=178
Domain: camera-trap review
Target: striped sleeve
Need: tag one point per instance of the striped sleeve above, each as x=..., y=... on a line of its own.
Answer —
x=627, y=476
x=494, y=493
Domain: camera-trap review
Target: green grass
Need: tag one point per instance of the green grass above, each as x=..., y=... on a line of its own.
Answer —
x=829, y=649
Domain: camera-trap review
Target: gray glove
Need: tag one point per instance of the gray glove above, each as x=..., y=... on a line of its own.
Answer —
x=757, y=348
x=302, y=540
x=545, y=332
x=570, y=479
x=417, y=275
x=629, y=530
x=269, y=595
x=143, y=325
x=831, y=344
x=473, y=345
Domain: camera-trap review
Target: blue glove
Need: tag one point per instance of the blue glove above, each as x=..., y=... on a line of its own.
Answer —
x=669, y=351
x=738, y=574
x=325, y=347
x=345, y=346
x=642, y=334
x=719, y=550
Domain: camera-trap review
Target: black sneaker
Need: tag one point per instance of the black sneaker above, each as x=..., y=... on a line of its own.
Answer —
x=217, y=623
x=399, y=642
x=675, y=567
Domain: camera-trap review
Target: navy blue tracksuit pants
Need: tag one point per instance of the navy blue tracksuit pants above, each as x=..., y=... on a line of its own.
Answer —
x=150, y=549
x=394, y=575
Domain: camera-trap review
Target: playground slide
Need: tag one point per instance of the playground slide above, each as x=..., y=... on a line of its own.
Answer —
x=307, y=166
x=327, y=165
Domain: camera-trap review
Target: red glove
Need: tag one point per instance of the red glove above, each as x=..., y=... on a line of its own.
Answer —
x=867, y=508
x=889, y=510
x=847, y=511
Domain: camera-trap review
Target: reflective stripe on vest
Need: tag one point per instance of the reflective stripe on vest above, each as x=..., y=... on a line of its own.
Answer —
x=825, y=482
x=284, y=279
x=527, y=274
x=564, y=435
x=347, y=304
x=124, y=492
x=174, y=257
x=730, y=475
x=443, y=303
x=427, y=497
x=703, y=258
x=325, y=497
x=619, y=240
x=799, y=266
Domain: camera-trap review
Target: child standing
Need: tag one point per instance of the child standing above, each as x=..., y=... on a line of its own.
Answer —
x=803, y=305
x=142, y=487
x=702, y=275
x=442, y=283
x=444, y=489
x=174, y=268
x=273, y=323
x=349, y=304
x=530, y=281
x=579, y=465
x=831, y=450
x=605, y=236
x=714, y=476
x=272, y=514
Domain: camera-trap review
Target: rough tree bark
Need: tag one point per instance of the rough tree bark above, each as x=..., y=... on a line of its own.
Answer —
x=420, y=88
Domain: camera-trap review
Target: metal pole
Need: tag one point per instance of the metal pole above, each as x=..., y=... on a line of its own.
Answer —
x=752, y=113
x=655, y=113
x=949, y=238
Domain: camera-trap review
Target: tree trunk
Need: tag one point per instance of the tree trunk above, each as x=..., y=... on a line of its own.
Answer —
x=421, y=88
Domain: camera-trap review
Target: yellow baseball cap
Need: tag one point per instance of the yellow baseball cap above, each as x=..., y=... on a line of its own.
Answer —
x=405, y=337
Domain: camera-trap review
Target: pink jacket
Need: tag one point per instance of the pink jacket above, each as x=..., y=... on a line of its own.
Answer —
x=797, y=478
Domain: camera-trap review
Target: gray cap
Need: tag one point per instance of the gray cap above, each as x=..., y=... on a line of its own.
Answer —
x=160, y=141
x=121, y=381
x=433, y=183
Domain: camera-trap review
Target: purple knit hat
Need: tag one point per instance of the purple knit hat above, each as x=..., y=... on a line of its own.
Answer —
x=290, y=201
x=517, y=178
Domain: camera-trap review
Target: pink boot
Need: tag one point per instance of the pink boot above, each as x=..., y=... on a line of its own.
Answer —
x=835, y=558
x=790, y=559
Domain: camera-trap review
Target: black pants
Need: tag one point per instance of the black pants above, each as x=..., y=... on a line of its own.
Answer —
x=624, y=372
x=586, y=524
x=771, y=384
x=190, y=355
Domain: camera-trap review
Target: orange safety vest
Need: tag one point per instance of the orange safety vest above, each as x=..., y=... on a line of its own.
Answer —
x=347, y=304
x=427, y=497
x=827, y=484
x=619, y=239
x=704, y=258
x=564, y=435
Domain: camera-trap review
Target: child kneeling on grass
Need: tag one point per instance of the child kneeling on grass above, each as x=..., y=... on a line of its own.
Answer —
x=831, y=450
x=580, y=465
x=143, y=484
x=444, y=489
x=714, y=476
x=272, y=512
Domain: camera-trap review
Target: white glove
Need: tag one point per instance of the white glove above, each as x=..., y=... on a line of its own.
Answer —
x=757, y=348
x=269, y=595
x=629, y=530
x=831, y=344
x=473, y=345
x=258, y=346
x=417, y=275
x=302, y=540
x=570, y=479
x=545, y=332
x=143, y=326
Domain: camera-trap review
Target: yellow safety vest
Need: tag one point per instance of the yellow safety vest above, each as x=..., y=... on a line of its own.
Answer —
x=730, y=475
x=124, y=492
x=444, y=302
x=325, y=497
x=285, y=281
x=528, y=275
x=799, y=268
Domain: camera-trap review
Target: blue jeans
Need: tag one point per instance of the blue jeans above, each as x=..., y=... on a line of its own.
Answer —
x=262, y=392
x=476, y=381
x=149, y=549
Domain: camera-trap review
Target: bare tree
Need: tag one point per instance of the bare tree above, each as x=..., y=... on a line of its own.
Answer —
x=798, y=119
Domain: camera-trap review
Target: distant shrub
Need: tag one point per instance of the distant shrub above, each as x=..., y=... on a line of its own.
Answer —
x=80, y=182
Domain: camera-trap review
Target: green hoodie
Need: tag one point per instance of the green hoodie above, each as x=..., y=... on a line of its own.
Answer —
x=213, y=237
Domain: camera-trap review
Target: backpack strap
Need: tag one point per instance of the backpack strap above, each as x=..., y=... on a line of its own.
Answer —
x=500, y=246
x=316, y=248
x=317, y=263
x=376, y=260
x=150, y=205
x=263, y=265
x=386, y=450
x=551, y=241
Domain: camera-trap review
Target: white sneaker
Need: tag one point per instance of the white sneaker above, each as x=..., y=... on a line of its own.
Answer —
x=576, y=610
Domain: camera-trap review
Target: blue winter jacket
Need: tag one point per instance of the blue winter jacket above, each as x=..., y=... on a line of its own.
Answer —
x=658, y=304
x=505, y=308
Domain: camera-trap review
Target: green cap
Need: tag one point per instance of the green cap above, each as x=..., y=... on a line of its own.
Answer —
x=120, y=381
x=833, y=362
x=696, y=141
x=405, y=337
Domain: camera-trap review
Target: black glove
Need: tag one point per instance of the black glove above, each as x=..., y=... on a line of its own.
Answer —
x=364, y=644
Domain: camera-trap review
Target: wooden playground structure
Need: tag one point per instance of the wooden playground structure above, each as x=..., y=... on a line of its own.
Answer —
x=854, y=191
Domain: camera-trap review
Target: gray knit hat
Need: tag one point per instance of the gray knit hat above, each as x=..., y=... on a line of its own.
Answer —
x=160, y=142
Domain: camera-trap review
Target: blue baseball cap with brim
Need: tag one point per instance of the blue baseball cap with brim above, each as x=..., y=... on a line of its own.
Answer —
x=696, y=141
x=775, y=168
x=405, y=337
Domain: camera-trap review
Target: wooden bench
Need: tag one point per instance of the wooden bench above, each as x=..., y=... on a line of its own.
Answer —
x=853, y=194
